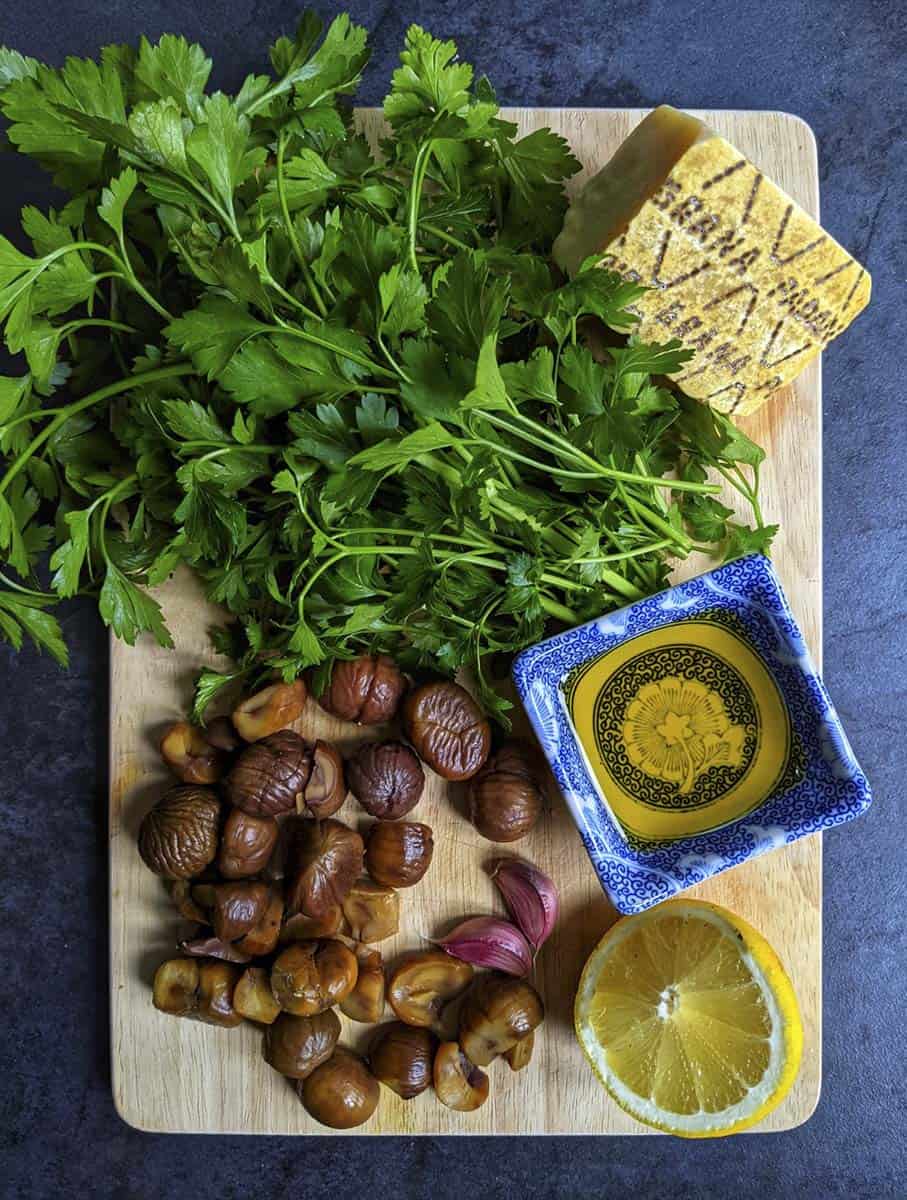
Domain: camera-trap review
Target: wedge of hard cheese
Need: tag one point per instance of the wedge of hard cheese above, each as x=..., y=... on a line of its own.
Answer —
x=738, y=271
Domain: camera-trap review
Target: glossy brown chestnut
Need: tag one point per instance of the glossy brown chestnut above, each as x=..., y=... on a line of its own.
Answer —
x=181, y=894
x=178, y=837
x=301, y=928
x=309, y=977
x=216, y=983
x=190, y=756
x=296, y=1046
x=273, y=708
x=325, y=860
x=253, y=998
x=246, y=844
x=175, y=989
x=262, y=937
x=342, y=1093
x=505, y=798
x=520, y=1055
x=398, y=853
x=386, y=778
x=401, y=1057
x=271, y=775
x=366, y=690
x=372, y=911
x=447, y=728
x=237, y=908
x=423, y=983
x=221, y=732
x=498, y=1011
x=326, y=790
x=459, y=1084
x=365, y=1002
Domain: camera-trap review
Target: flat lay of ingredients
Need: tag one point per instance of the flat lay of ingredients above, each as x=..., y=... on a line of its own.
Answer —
x=403, y=414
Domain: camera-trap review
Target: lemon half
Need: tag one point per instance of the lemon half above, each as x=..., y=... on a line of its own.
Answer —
x=689, y=1020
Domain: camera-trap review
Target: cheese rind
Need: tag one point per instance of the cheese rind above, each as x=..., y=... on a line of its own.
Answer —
x=738, y=271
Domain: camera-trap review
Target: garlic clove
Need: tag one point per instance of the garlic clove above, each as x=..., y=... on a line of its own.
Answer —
x=530, y=896
x=489, y=942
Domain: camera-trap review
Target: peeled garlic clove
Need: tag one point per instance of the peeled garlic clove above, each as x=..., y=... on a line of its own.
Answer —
x=530, y=896
x=490, y=942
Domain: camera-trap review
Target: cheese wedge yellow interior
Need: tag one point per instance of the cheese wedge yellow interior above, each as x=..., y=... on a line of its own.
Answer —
x=738, y=271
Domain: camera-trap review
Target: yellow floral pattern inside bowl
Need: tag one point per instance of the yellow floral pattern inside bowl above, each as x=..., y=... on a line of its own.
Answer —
x=676, y=729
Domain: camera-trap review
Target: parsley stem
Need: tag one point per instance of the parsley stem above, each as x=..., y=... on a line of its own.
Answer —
x=11, y=583
x=315, y=339
x=444, y=237
x=291, y=229
x=420, y=166
x=560, y=611
x=104, y=393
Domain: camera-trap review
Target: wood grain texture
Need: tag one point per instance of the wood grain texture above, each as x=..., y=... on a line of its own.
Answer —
x=176, y=1075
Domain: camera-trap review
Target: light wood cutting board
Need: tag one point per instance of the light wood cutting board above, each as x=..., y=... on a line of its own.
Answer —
x=181, y=1076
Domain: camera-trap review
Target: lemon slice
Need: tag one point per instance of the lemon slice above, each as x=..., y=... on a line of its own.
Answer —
x=689, y=1020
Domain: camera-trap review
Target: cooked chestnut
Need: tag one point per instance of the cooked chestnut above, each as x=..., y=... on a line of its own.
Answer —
x=237, y=908
x=386, y=778
x=216, y=983
x=401, y=1057
x=342, y=1092
x=326, y=859
x=269, y=710
x=498, y=1012
x=505, y=799
x=520, y=1055
x=295, y=1046
x=253, y=998
x=366, y=1001
x=246, y=844
x=447, y=728
x=309, y=977
x=212, y=947
x=221, y=732
x=190, y=756
x=398, y=853
x=262, y=937
x=458, y=1083
x=366, y=690
x=423, y=983
x=175, y=989
x=178, y=837
x=270, y=776
x=181, y=894
x=203, y=895
x=326, y=790
x=301, y=928
x=372, y=911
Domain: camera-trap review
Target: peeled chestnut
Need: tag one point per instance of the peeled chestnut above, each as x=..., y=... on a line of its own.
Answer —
x=216, y=983
x=372, y=911
x=221, y=732
x=401, y=1057
x=253, y=998
x=423, y=983
x=309, y=977
x=520, y=1055
x=246, y=844
x=175, y=989
x=458, y=1083
x=386, y=778
x=301, y=928
x=342, y=1092
x=273, y=708
x=325, y=860
x=262, y=937
x=366, y=1001
x=505, y=799
x=190, y=756
x=270, y=776
x=178, y=837
x=237, y=908
x=295, y=1046
x=398, y=853
x=181, y=894
x=447, y=728
x=326, y=790
x=498, y=1012
x=366, y=690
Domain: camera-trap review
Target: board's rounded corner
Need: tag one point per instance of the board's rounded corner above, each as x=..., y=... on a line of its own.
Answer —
x=803, y=1117
x=131, y=1119
x=806, y=130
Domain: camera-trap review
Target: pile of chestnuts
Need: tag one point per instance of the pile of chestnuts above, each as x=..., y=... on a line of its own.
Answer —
x=288, y=902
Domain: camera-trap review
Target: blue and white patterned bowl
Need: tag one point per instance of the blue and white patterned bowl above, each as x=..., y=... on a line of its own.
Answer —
x=830, y=787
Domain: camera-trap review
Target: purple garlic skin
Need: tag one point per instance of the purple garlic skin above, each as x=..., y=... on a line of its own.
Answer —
x=530, y=896
x=489, y=942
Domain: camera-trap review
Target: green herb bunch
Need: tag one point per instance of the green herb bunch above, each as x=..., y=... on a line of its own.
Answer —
x=341, y=381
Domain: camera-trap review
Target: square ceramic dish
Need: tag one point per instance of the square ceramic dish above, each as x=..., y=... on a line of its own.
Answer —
x=689, y=732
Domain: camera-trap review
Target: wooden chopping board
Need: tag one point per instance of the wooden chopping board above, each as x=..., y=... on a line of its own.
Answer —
x=182, y=1076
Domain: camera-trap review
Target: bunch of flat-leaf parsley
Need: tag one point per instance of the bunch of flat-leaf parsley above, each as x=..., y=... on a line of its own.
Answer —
x=341, y=381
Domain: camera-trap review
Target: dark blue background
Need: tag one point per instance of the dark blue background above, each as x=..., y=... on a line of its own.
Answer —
x=842, y=67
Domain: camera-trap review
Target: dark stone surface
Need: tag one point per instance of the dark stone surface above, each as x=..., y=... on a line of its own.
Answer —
x=842, y=67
